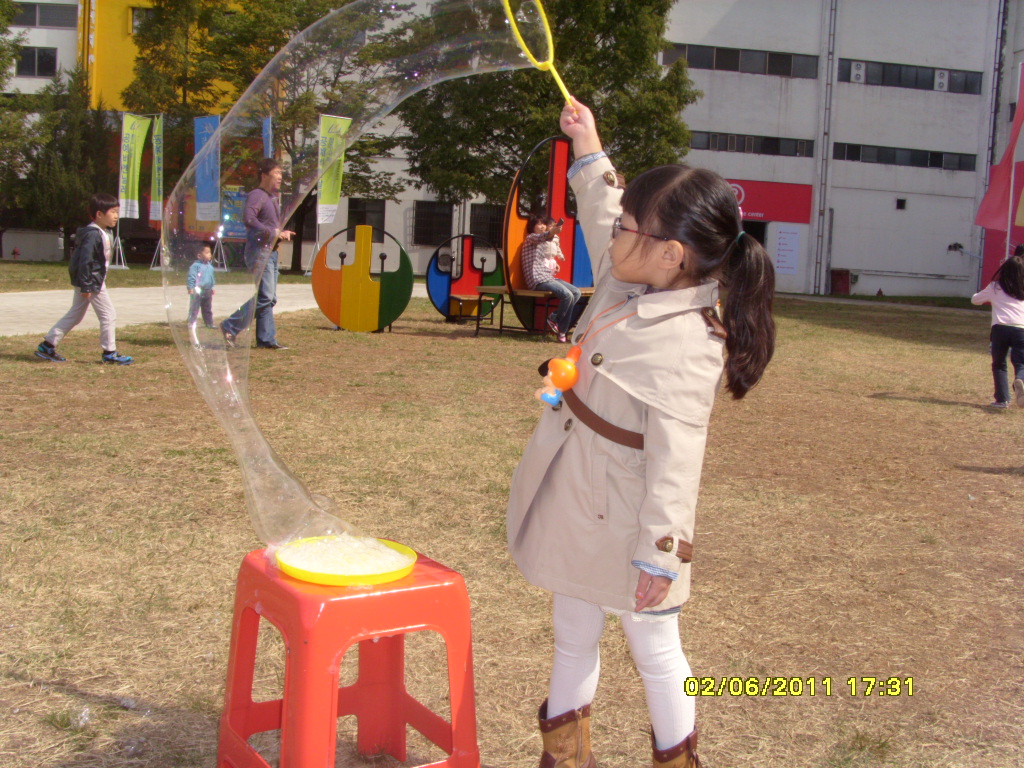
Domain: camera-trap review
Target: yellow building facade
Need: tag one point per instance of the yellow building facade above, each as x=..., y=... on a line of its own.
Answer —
x=107, y=47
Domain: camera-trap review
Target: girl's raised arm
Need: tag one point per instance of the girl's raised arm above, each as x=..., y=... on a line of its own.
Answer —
x=577, y=122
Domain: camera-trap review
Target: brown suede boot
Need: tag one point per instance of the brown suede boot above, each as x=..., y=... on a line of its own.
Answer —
x=682, y=755
x=566, y=738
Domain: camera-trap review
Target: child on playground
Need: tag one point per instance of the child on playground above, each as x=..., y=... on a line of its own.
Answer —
x=540, y=257
x=200, y=283
x=88, y=270
x=1006, y=295
x=601, y=509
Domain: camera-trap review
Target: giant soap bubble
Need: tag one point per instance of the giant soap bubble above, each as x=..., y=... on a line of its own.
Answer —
x=359, y=62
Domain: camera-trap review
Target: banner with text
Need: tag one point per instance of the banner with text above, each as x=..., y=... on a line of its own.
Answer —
x=332, y=158
x=156, y=191
x=208, y=169
x=268, y=137
x=133, y=140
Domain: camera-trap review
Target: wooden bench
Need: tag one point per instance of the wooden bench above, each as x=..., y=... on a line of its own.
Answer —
x=501, y=295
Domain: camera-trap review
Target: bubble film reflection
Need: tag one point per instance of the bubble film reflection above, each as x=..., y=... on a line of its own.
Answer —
x=359, y=62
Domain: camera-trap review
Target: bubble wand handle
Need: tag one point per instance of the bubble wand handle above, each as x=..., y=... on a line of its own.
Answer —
x=561, y=86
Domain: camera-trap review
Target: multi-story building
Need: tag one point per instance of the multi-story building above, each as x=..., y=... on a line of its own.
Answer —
x=50, y=33
x=857, y=134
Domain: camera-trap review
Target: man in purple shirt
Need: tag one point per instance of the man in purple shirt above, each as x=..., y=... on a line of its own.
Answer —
x=262, y=219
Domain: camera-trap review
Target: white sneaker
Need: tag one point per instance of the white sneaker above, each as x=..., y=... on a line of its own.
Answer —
x=1018, y=390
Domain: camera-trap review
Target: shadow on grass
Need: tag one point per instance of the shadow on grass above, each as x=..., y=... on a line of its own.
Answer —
x=156, y=735
x=934, y=401
x=1009, y=471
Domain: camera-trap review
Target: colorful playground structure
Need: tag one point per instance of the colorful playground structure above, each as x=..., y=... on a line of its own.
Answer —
x=467, y=276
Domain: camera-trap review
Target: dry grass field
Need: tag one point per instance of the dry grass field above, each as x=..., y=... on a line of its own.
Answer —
x=860, y=517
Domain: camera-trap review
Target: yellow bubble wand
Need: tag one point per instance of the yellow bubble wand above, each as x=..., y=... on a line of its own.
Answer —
x=545, y=65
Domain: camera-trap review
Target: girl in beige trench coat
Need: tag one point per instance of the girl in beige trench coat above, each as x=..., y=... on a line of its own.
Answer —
x=601, y=510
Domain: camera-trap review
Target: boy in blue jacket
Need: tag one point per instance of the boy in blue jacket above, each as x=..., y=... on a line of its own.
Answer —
x=88, y=270
x=200, y=282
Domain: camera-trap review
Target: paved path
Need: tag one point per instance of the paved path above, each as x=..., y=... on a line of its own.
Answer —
x=35, y=312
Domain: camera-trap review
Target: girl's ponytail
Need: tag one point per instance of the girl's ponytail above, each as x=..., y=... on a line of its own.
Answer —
x=698, y=208
x=749, y=279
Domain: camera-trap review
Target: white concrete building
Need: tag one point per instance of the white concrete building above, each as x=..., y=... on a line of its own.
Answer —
x=882, y=122
x=51, y=43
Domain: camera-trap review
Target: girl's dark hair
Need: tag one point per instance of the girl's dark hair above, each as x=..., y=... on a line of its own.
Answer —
x=698, y=208
x=1010, y=276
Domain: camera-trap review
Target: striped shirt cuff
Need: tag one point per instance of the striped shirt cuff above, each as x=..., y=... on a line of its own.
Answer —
x=655, y=570
x=583, y=162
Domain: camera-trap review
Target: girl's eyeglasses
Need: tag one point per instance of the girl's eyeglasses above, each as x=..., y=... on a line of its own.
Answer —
x=617, y=226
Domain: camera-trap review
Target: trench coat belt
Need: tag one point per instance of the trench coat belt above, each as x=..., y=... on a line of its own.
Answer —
x=600, y=426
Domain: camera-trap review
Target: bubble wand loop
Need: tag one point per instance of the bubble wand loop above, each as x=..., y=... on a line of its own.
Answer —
x=545, y=65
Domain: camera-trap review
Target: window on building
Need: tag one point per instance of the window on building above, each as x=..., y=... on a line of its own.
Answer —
x=487, y=221
x=61, y=16
x=364, y=211
x=755, y=145
x=432, y=223
x=916, y=158
x=805, y=66
x=675, y=52
x=700, y=56
x=780, y=64
x=139, y=15
x=875, y=70
x=910, y=76
x=753, y=62
x=37, y=62
x=727, y=59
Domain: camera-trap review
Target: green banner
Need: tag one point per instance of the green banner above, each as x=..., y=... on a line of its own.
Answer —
x=332, y=158
x=156, y=192
x=133, y=140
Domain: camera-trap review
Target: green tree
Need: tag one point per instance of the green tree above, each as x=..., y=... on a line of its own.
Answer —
x=310, y=83
x=76, y=156
x=15, y=138
x=177, y=74
x=175, y=71
x=314, y=78
x=468, y=137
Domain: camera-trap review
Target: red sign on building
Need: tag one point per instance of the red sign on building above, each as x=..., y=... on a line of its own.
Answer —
x=774, y=201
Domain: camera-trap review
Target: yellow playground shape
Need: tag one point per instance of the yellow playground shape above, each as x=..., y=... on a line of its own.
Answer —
x=352, y=297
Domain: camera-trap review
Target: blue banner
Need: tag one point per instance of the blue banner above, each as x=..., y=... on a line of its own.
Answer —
x=234, y=208
x=268, y=137
x=208, y=169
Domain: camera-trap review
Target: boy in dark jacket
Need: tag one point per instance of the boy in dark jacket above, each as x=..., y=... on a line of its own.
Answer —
x=88, y=270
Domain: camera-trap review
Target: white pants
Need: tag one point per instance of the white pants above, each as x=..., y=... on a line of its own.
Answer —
x=657, y=652
x=104, y=309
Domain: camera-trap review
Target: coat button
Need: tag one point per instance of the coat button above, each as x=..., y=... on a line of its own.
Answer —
x=597, y=359
x=568, y=425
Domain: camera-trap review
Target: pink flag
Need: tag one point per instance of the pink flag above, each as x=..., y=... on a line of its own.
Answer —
x=994, y=209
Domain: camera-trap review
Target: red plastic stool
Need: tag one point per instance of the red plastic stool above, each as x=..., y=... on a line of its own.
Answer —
x=318, y=624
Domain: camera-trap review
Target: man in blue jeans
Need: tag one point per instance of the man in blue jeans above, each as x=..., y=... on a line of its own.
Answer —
x=262, y=219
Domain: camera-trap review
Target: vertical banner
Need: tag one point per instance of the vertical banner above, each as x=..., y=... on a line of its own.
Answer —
x=156, y=191
x=133, y=139
x=207, y=170
x=332, y=158
x=268, y=137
